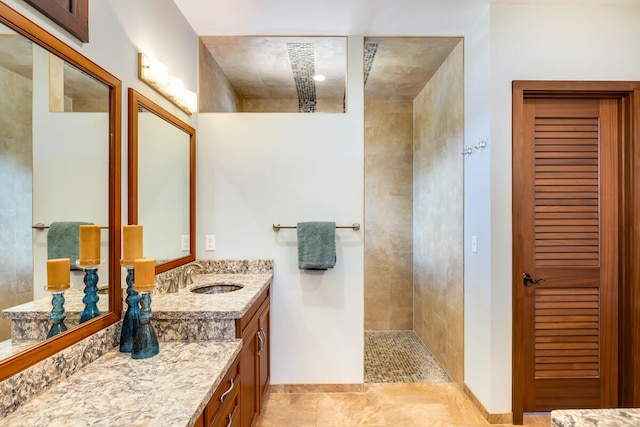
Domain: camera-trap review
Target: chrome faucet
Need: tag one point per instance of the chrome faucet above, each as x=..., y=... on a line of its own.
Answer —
x=185, y=278
x=173, y=285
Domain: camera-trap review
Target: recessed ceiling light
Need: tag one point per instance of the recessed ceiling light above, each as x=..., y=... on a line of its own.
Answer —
x=319, y=78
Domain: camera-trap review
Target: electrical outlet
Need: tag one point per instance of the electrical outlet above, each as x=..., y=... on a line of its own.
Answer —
x=210, y=242
x=185, y=242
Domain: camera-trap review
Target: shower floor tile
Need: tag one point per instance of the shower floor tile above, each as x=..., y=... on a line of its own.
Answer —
x=399, y=357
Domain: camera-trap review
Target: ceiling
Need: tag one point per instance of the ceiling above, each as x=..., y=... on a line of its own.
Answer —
x=332, y=17
x=251, y=43
x=260, y=67
x=16, y=55
x=265, y=67
x=403, y=65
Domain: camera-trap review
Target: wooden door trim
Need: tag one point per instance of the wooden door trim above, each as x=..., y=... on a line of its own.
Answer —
x=630, y=312
x=628, y=93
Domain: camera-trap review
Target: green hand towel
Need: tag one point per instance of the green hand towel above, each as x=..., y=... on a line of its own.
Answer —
x=316, y=245
x=63, y=241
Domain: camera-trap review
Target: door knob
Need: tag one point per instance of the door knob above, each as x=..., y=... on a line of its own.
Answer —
x=530, y=281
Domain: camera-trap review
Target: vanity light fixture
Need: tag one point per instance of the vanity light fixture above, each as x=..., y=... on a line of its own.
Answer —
x=175, y=88
x=155, y=74
x=152, y=71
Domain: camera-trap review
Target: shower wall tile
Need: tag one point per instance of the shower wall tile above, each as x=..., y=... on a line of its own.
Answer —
x=288, y=105
x=216, y=94
x=401, y=318
x=388, y=215
x=438, y=215
x=16, y=279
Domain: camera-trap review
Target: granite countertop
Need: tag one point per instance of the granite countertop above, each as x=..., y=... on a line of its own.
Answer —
x=41, y=308
x=181, y=304
x=170, y=389
x=9, y=347
x=228, y=305
x=596, y=417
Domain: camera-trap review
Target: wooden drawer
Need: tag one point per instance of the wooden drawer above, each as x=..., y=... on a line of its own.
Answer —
x=225, y=395
x=229, y=413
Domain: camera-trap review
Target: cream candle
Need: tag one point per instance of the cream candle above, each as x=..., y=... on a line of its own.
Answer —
x=89, y=245
x=131, y=243
x=145, y=269
x=58, y=274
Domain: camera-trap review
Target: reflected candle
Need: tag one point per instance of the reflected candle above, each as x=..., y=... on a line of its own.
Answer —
x=58, y=274
x=131, y=243
x=89, y=245
x=145, y=269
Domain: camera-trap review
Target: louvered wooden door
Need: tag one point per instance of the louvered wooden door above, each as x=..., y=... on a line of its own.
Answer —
x=566, y=227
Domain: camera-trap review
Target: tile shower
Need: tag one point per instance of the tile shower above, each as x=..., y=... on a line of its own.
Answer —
x=16, y=164
x=413, y=231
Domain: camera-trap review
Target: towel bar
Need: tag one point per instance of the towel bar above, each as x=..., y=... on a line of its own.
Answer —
x=40, y=226
x=355, y=226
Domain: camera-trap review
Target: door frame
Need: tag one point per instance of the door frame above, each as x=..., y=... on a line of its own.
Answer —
x=629, y=263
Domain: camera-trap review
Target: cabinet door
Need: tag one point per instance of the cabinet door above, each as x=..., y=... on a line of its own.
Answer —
x=264, y=353
x=248, y=372
x=200, y=421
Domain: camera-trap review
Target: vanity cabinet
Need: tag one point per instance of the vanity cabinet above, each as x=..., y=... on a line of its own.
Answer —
x=253, y=328
x=223, y=409
x=263, y=354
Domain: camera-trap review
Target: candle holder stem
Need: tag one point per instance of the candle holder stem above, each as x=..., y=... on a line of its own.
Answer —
x=145, y=343
x=131, y=321
x=57, y=315
x=91, y=294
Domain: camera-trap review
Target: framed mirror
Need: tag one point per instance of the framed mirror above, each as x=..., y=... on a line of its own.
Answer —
x=162, y=182
x=60, y=162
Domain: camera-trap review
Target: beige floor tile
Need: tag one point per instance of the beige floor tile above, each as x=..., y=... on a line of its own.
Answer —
x=381, y=405
x=538, y=420
x=349, y=409
x=442, y=402
x=283, y=409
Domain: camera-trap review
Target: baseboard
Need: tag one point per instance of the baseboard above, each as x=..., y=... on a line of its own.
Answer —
x=499, y=418
x=315, y=388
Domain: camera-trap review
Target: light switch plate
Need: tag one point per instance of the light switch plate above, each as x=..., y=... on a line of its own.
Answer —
x=185, y=242
x=210, y=242
x=474, y=244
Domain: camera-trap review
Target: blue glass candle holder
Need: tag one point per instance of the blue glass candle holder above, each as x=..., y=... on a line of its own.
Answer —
x=145, y=342
x=57, y=315
x=90, y=291
x=131, y=321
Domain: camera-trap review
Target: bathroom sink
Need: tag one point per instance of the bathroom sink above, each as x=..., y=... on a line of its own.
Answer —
x=216, y=288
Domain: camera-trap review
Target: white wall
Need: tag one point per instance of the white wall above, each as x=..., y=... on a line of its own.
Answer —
x=477, y=212
x=539, y=42
x=260, y=169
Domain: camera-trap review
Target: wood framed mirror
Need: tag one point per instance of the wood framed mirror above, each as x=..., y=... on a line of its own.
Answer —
x=162, y=182
x=102, y=159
